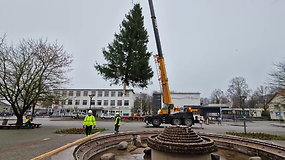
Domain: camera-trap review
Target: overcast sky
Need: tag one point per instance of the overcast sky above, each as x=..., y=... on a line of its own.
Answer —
x=206, y=43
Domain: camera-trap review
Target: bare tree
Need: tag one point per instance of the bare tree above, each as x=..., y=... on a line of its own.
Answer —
x=277, y=80
x=218, y=97
x=237, y=88
x=30, y=71
x=261, y=95
x=144, y=103
x=204, y=101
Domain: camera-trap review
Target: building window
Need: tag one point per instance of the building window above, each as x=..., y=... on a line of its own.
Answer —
x=100, y=94
x=78, y=93
x=119, y=103
x=105, y=102
x=77, y=102
x=57, y=93
x=99, y=102
x=70, y=93
x=120, y=93
x=69, y=102
x=92, y=102
x=64, y=93
x=126, y=102
x=63, y=102
x=106, y=93
x=93, y=93
x=112, y=103
x=84, y=102
x=85, y=93
x=113, y=93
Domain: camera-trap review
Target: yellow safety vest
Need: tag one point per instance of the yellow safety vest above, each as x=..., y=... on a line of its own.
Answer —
x=89, y=120
x=118, y=120
x=27, y=120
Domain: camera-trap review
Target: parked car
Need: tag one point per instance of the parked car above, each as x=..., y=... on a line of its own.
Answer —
x=6, y=114
x=107, y=116
x=41, y=113
x=77, y=115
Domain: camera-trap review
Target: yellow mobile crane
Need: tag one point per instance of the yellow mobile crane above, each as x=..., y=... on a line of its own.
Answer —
x=169, y=114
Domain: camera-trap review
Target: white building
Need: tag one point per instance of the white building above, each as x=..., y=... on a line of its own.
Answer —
x=107, y=101
x=185, y=99
x=5, y=108
x=276, y=106
x=178, y=99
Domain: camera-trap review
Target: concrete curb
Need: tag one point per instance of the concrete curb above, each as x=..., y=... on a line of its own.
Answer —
x=60, y=149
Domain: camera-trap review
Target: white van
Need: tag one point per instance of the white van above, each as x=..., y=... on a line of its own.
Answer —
x=77, y=115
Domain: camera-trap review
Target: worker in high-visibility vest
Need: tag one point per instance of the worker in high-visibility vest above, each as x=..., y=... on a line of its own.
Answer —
x=28, y=120
x=117, y=123
x=89, y=123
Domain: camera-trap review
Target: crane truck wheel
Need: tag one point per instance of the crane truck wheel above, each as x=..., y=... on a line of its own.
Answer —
x=188, y=122
x=176, y=121
x=156, y=122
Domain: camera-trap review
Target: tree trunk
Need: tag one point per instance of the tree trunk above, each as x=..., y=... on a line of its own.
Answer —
x=19, y=120
x=33, y=111
x=124, y=89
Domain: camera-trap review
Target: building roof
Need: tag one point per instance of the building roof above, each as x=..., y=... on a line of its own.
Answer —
x=4, y=104
x=178, y=93
x=277, y=93
x=90, y=89
x=185, y=93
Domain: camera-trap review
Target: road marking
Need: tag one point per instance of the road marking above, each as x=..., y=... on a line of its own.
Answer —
x=46, y=139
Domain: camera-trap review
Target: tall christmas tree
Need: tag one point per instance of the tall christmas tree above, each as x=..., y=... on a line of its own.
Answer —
x=127, y=56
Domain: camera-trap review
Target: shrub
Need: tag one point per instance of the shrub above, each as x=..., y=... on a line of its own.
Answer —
x=263, y=136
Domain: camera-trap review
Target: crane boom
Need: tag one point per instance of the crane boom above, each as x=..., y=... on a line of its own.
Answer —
x=169, y=114
x=160, y=60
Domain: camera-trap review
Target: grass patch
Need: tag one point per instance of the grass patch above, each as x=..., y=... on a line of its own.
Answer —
x=77, y=131
x=263, y=136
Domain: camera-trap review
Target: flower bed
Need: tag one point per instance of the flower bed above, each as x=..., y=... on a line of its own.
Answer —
x=77, y=131
x=263, y=136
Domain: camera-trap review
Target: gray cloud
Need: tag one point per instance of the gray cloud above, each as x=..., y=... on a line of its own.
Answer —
x=206, y=43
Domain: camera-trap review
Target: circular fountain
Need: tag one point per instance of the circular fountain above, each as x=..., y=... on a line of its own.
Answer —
x=181, y=143
x=173, y=143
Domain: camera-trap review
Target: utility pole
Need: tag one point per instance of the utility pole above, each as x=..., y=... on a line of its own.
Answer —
x=242, y=98
x=141, y=98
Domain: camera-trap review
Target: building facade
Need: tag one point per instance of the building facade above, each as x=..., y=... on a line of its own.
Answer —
x=235, y=113
x=5, y=108
x=185, y=99
x=100, y=101
x=178, y=99
x=276, y=106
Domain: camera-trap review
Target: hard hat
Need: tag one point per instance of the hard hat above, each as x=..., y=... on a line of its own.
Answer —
x=90, y=111
x=117, y=113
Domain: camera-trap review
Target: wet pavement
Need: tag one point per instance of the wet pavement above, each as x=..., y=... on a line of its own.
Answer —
x=29, y=143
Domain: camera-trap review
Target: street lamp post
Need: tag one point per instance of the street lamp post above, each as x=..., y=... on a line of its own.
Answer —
x=141, y=98
x=91, y=96
x=242, y=98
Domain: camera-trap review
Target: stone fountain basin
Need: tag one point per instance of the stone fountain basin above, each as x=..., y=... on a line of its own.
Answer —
x=249, y=147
